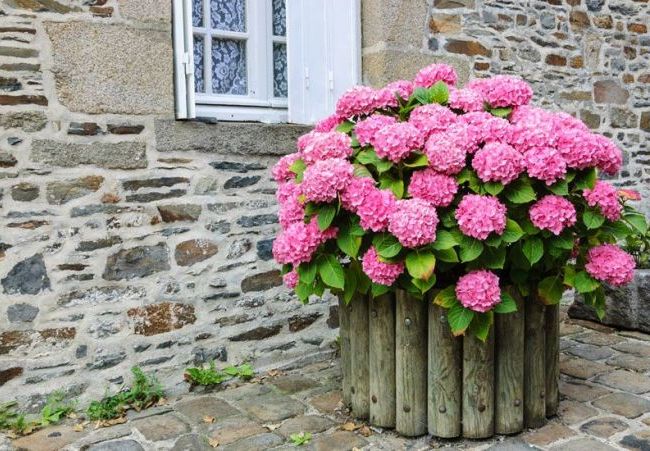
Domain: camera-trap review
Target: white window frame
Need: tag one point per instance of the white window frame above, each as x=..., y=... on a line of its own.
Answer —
x=259, y=104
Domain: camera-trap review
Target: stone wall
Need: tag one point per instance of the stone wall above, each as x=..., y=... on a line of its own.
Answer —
x=590, y=58
x=126, y=237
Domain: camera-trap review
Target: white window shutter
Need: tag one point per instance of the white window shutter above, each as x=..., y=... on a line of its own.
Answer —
x=183, y=59
x=323, y=54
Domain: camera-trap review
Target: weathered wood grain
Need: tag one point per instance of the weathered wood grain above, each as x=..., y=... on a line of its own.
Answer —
x=478, y=386
x=509, y=369
x=382, y=361
x=346, y=351
x=534, y=365
x=445, y=386
x=411, y=365
x=360, y=381
x=552, y=359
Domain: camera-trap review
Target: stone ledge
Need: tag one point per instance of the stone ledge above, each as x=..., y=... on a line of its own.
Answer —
x=240, y=138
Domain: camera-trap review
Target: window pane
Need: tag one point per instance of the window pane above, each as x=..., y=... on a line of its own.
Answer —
x=197, y=13
x=229, y=67
x=199, y=50
x=228, y=15
x=280, y=84
x=279, y=18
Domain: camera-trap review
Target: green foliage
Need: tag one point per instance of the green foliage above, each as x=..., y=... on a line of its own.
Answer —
x=420, y=264
x=528, y=261
x=300, y=438
x=210, y=375
x=56, y=408
x=144, y=392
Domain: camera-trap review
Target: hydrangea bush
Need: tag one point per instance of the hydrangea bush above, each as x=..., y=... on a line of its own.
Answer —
x=468, y=191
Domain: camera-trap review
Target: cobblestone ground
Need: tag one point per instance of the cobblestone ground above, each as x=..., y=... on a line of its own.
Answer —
x=605, y=405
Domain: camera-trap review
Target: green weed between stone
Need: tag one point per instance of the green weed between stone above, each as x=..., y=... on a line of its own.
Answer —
x=144, y=393
x=301, y=438
x=212, y=376
x=19, y=423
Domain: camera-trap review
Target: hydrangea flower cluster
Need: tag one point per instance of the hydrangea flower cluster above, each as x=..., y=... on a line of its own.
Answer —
x=479, y=290
x=423, y=185
x=395, y=141
x=498, y=162
x=479, y=216
x=608, y=263
x=553, y=213
x=380, y=272
x=413, y=222
x=435, y=188
x=606, y=198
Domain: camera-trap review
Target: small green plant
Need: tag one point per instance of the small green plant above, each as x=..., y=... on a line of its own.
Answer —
x=301, y=438
x=212, y=376
x=8, y=415
x=144, y=393
x=638, y=245
x=56, y=409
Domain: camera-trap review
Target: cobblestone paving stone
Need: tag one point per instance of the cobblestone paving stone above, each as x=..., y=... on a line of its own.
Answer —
x=605, y=387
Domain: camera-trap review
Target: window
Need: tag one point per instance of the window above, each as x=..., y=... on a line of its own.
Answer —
x=264, y=60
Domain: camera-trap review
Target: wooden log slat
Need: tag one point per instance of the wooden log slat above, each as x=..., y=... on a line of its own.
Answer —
x=360, y=381
x=411, y=365
x=552, y=347
x=346, y=352
x=534, y=365
x=509, y=369
x=382, y=361
x=445, y=386
x=478, y=386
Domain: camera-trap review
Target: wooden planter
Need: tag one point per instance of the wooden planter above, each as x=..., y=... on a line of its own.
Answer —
x=403, y=369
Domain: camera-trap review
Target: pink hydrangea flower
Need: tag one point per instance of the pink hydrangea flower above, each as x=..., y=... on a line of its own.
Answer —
x=445, y=154
x=479, y=290
x=290, y=279
x=356, y=101
x=552, y=213
x=497, y=162
x=354, y=194
x=605, y=197
x=329, y=123
x=325, y=179
x=281, y=172
x=531, y=128
x=467, y=100
x=629, y=194
x=609, y=264
x=503, y=90
x=432, y=118
x=376, y=209
x=380, y=272
x=395, y=142
x=386, y=97
x=579, y=149
x=478, y=216
x=298, y=242
x=322, y=146
x=545, y=164
x=434, y=73
x=413, y=222
x=609, y=157
x=564, y=121
x=291, y=208
x=368, y=128
x=437, y=189
x=482, y=127
x=306, y=139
